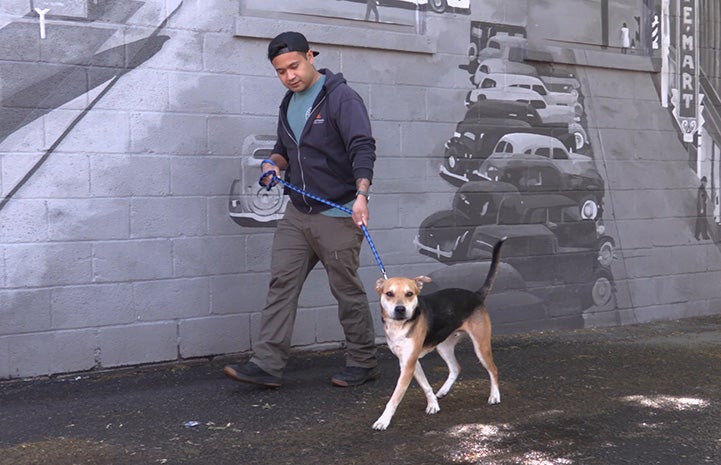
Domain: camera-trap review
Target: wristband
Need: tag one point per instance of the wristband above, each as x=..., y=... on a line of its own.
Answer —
x=363, y=193
x=268, y=160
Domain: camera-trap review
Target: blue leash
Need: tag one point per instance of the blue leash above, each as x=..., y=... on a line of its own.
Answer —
x=275, y=180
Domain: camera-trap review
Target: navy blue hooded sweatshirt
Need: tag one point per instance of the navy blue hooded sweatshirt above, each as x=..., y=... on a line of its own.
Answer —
x=336, y=146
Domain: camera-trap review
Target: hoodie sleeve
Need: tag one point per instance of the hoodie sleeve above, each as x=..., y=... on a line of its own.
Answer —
x=355, y=127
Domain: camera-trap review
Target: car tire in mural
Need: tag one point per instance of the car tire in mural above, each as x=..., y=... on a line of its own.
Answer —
x=249, y=204
x=523, y=165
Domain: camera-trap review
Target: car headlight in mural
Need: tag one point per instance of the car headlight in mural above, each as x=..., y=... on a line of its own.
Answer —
x=250, y=204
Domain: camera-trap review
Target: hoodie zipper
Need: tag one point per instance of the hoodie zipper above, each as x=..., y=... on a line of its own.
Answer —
x=297, y=144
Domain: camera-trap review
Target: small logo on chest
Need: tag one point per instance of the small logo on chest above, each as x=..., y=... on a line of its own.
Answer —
x=318, y=119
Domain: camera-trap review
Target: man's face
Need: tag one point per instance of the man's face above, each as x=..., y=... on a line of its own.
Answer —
x=295, y=70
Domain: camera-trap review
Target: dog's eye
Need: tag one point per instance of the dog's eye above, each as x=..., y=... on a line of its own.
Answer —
x=409, y=294
x=389, y=293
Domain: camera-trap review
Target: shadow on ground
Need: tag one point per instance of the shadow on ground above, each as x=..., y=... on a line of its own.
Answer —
x=645, y=394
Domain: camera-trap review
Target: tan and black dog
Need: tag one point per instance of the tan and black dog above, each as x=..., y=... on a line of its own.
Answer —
x=416, y=324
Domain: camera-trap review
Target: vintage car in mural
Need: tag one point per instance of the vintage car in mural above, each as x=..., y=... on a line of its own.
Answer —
x=534, y=83
x=538, y=163
x=484, y=124
x=497, y=46
x=510, y=294
x=550, y=114
x=547, y=240
x=439, y=6
x=510, y=61
x=249, y=204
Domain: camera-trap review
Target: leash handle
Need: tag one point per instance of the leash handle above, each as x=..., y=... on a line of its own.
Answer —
x=275, y=180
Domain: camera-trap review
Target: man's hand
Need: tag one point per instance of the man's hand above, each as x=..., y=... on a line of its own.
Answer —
x=360, y=211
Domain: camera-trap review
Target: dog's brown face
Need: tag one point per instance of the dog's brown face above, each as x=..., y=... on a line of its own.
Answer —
x=399, y=296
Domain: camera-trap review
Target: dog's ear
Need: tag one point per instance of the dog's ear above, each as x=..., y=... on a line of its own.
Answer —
x=420, y=280
x=379, y=285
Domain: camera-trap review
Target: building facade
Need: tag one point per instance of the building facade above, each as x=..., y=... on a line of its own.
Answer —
x=132, y=229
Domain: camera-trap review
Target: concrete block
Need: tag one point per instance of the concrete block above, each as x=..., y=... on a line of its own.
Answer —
x=121, y=176
x=166, y=133
x=244, y=293
x=214, y=335
x=205, y=176
x=168, y=217
x=40, y=354
x=258, y=250
x=99, y=131
x=24, y=311
x=124, y=94
x=24, y=221
x=262, y=95
x=132, y=260
x=208, y=256
x=227, y=54
x=92, y=306
x=138, y=343
x=398, y=103
x=33, y=265
x=227, y=132
x=88, y=219
x=15, y=7
x=328, y=328
x=420, y=139
x=71, y=8
x=194, y=93
x=171, y=299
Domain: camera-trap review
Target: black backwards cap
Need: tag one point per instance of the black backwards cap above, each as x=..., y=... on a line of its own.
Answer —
x=288, y=42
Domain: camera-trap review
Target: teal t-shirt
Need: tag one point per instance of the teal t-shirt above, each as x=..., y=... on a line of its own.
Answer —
x=300, y=106
x=299, y=110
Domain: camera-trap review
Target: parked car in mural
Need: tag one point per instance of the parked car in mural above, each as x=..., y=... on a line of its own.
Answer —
x=497, y=46
x=537, y=163
x=510, y=293
x=484, y=124
x=547, y=240
x=509, y=61
x=550, y=114
x=439, y=6
x=535, y=84
x=249, y=204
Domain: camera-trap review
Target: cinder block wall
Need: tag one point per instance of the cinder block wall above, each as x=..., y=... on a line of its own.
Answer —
x=121, y=136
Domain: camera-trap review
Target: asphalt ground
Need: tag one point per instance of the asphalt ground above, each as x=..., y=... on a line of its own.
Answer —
x=642, y=394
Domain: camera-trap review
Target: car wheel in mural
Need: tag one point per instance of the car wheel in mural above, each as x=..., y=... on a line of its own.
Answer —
x=523, y=164
x=249, y=204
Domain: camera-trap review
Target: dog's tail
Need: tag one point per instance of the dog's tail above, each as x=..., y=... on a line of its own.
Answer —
x=493, y=270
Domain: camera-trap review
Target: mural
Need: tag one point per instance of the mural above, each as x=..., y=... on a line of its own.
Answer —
x=30, y=90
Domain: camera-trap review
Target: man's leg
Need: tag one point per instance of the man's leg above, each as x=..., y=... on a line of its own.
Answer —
x=339, y=242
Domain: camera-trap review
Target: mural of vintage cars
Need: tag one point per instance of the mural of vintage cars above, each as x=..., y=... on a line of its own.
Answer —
x=547, y=241
x=534, y=83
x=549, y=113
x=511, y=303
x=249, y=204
x=538, y=163
x=485, y=122
x=438, y=6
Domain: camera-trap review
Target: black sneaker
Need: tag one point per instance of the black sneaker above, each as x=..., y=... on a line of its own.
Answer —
x=252, y=373
x=355, y=376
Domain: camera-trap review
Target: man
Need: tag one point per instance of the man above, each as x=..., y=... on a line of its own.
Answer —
x=326, y=148
x=701, y=220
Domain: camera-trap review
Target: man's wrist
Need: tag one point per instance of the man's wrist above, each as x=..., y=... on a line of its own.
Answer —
x=269, y=161
x=363, y=193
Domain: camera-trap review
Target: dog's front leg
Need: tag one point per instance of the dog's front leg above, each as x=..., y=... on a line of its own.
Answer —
x=407, y=372
x=420, y=376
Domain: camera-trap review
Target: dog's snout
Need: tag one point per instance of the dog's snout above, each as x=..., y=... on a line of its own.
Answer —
x=400, y=310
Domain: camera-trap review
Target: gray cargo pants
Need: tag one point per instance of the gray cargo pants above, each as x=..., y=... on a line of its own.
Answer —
x=300, y=241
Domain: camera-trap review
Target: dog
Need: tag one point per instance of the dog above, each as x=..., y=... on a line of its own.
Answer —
x=417, y=324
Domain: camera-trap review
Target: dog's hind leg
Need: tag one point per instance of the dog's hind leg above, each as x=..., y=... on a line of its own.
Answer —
x=481, y=337
x=446, y=350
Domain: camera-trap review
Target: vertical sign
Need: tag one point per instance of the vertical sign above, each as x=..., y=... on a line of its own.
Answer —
x=687, y=68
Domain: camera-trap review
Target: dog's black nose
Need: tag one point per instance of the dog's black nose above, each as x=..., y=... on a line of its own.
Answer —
x=400, y=310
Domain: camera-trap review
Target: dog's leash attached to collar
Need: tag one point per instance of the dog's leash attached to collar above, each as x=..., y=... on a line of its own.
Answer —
x=275, y=180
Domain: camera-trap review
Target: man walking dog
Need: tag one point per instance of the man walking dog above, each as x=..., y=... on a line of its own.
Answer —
x=326, y=148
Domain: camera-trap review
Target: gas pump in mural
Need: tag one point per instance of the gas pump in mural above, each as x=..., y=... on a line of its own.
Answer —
x=525, y=170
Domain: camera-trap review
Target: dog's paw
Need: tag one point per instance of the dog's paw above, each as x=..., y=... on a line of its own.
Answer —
x=442, y=393
x=494, y=399
x=432, y=408
x=381, y=423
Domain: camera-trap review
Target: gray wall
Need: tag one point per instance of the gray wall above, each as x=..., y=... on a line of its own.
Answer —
x=123, y=131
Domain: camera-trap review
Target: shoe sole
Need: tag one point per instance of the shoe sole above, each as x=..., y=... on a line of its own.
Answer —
x=341, y=383
x=230, y=373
